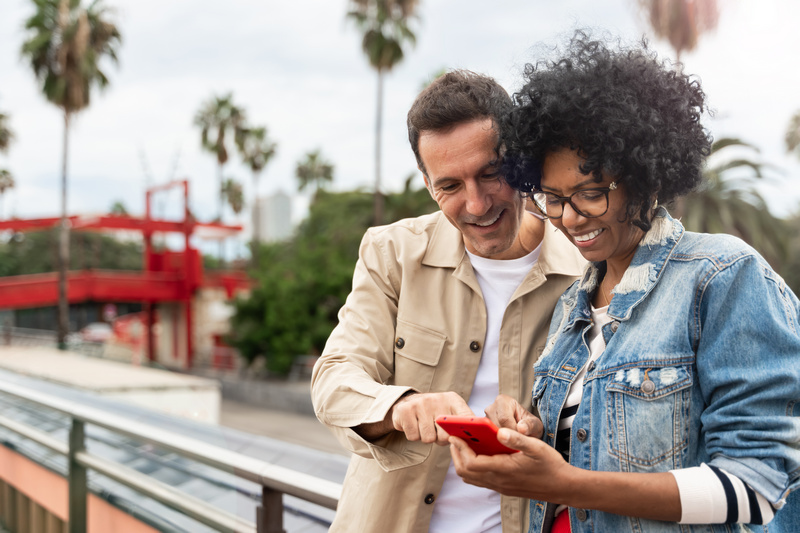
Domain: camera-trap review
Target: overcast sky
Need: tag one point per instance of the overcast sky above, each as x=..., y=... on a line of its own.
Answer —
x=297, y=67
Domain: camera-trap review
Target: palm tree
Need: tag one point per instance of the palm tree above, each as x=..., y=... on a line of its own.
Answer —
x=65, y=47
x=6, y=182
x=218, y=117
x=314, y=169
x=681, y=22
x=6, y=135
x=731, y=204
x=793, y=135
x=233, y=193
x=384, y=24
x=257, y=149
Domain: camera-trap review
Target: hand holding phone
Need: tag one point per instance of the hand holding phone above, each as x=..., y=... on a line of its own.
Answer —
x=477, y=431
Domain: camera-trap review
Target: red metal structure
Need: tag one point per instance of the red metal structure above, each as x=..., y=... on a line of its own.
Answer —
x=167, y=276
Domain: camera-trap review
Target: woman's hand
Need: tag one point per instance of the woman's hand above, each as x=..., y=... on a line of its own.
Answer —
x=506, y=412
x=538, y=473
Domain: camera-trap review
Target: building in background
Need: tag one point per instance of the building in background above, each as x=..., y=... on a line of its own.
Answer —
x=273, y=218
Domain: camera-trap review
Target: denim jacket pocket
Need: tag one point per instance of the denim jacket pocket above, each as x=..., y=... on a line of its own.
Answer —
x=417, y=351
x=647, y=412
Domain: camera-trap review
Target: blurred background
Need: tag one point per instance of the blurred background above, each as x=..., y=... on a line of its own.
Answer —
x=286, y=118
x=184, y=186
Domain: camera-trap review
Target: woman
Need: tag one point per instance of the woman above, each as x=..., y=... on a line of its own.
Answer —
x=668, y=385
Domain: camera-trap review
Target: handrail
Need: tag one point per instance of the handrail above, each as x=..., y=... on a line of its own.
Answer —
x=274, y=479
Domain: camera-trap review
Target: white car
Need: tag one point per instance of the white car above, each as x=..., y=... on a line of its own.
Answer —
x=97, y=332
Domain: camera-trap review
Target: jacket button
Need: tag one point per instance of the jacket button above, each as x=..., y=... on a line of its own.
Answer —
x=581, y=514
x=590, y=367
x=429, y=499
x=581, y=434
x=474, y=346
x=648, y=387
x=399, y=342
x=614, y=326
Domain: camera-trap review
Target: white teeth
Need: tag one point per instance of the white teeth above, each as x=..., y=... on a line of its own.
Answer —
x=587, y=236
x=485, y=224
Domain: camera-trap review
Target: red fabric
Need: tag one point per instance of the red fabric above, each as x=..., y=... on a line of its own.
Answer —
x=561, y=523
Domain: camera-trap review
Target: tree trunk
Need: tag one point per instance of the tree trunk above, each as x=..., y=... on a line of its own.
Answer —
x=219, y=216
x=256, y=221
x=378, y=196
x=63, y=248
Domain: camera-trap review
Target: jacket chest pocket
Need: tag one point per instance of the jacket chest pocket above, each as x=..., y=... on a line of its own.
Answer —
x=417, y=351
x=647, y=413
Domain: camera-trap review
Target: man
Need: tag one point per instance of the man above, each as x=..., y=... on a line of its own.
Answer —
x=447, y=310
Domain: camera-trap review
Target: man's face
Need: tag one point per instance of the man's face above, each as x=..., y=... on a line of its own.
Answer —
x=462, y=176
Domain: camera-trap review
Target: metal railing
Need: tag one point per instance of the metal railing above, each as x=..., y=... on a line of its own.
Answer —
x=274, y=479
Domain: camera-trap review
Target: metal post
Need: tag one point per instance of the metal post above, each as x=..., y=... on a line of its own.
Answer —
x=78, y=488
x=269, y=517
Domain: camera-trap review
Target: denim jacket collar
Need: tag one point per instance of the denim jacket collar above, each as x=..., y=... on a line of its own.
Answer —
x=654, y=250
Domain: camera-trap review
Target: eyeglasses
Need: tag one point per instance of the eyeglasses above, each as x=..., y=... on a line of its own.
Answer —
x=590, y=203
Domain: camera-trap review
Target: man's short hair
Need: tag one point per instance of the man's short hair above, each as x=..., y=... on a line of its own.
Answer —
x=454, y=98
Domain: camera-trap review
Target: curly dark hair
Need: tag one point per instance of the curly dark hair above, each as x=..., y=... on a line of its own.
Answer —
x=454, y=98
x=628, y=114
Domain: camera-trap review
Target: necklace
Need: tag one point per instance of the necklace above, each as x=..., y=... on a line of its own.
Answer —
x=603, y=292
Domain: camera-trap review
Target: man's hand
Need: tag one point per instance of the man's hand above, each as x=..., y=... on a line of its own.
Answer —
x=414, y=415
x=506, y=412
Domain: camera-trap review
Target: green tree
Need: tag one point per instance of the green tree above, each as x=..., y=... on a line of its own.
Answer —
x=66, y=45
x=410, y=202
x=385, y=28
x=314, y=170
x=118, y=208
x=6, y=182
x=219, y=119
x=257, y=149
x=6, y=178
x=728, y=202
x=681, y=22
x=294, y=306
x=233, y=193
x=32, y=253
x=6, y=135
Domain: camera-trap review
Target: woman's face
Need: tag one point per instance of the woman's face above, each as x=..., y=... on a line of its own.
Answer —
x=609, y=237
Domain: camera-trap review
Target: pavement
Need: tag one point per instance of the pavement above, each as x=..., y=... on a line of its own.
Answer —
x=292, y=427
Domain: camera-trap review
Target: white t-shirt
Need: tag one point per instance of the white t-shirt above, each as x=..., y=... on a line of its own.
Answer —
x=462, y=507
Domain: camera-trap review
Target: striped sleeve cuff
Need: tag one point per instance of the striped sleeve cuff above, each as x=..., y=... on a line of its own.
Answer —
x=712, y=496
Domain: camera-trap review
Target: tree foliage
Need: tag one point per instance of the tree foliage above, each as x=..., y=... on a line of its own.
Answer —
x=729, y=202
x=384, y=25
x=314, y=170
x=681, y=22
x=302, y=283
x=6, y=135
x=36, y=252
x=219, y=120
x=792, y=138
x=232, y=191
x=66, y=46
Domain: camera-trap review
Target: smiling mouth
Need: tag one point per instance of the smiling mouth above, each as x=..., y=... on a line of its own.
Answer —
x=487, y=223
x=587, y=236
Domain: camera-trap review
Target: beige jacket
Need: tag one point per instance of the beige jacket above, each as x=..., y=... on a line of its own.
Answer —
x=416, y=319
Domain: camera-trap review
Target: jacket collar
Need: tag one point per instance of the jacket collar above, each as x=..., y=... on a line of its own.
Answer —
x=647, y=265
x=558, y=256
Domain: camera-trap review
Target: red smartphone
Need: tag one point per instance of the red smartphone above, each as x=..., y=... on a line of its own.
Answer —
x=477, y=431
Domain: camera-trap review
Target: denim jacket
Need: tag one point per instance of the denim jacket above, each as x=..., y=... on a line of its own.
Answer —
x=702, y=364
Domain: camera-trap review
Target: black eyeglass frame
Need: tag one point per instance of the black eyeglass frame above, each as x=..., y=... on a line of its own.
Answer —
x=568, y=199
